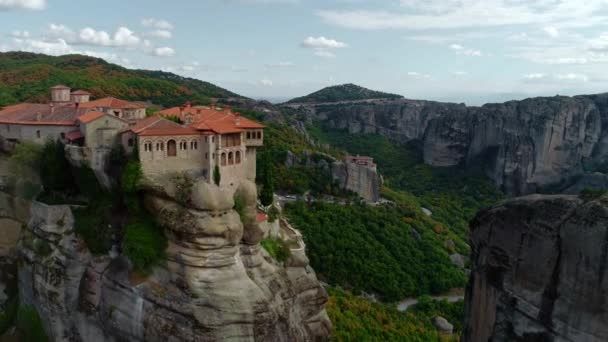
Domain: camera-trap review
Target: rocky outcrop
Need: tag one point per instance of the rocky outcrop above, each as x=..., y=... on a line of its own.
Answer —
x=525, y=144
x=217, y=284
x=538, y=271
x=361, y=179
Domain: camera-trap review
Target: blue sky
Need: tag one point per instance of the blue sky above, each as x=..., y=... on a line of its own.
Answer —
x=471, y=51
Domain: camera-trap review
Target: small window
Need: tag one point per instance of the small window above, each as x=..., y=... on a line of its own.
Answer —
x=160, y=146
x=248, y=135
x=206, y=139
x=259, y=135
x=8, y=127
x=212, y=139
x=223, y=159
x=230, y=158
x=38, y=134
x=194, y=145
x=62, y=135
x=238, y=157
x=206, y=155
x=130, y=142
x=117, y=113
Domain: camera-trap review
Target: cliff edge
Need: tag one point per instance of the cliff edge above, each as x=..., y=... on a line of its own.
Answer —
x=538, y=271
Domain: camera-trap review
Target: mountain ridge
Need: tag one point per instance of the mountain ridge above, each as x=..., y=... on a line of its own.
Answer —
x=343, y=92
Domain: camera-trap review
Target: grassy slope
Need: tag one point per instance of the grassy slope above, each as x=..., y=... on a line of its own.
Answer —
x=28, y=76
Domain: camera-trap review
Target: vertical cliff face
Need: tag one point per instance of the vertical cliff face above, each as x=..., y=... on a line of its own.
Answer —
x=538, y=271
x=362, y=179
x=217, y=284
x=527, y=144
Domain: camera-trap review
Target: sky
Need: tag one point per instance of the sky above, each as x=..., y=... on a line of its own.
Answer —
x=471, y=51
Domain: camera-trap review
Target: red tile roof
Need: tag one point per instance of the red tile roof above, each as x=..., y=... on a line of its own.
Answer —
x=90, y=116
x=41, y=114
x=111, y=102
x=212, y=119
x=158, y=126
x=74, y=135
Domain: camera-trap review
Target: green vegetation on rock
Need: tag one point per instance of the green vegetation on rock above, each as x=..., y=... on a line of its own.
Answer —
x=277, y=249
x=144, y=243
x=30, y=325
x=394, y=251
x=357, y=319
x=343, y=92
x=27, y=76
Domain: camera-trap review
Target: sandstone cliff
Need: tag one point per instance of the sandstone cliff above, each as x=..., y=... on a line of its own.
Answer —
x=217, y=284
x=527, y=144
x=538, y=271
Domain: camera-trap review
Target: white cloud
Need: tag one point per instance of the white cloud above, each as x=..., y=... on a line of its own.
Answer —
x=535, y=76
x=163, y=52
x=322, y=43
x=572, y=77
x=266, y=82
x=157, y=23
x=280, y=65
x=165, y=34
x=20, y=34
x=417, y=75
x=322, y=46
x=552, y=31
x=442, y=14
x=461, y=50
x=56, y=47
x=122, y=37
x=6, y=5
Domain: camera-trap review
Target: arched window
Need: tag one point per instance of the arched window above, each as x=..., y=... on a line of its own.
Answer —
x=194, y=145
x=212, y=139
x=259, y=135
x=223, y=159
x=171, y=148
x=147, y=146
x=130, y=142
x=160, y=146
x=183, y=145
x=230, y=158
x=38, y=134
x=238, y=157
x=248, y=135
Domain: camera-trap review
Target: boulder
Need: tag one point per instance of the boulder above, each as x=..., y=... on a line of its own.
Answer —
x=442, y=325
x=458, y=260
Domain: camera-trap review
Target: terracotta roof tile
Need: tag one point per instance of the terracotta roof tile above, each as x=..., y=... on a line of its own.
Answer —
x=41, y=114
x=155, y=125
x=212, y=119
x=74, y=135
x=90, y=116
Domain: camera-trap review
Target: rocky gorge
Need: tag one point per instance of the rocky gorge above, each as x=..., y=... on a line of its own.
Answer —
x=526, y=146
x=217, y=283
x=538, y=271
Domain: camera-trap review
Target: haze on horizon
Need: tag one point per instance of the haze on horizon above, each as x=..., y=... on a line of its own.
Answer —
x=472, y=51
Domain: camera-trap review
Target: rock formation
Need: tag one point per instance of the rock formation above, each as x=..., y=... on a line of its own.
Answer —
x=526, y=144
x=363, y=180
x=217, y=284
x=538, y=271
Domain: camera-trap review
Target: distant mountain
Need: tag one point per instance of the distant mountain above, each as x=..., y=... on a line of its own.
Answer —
x=343, y=92
x=27, y=76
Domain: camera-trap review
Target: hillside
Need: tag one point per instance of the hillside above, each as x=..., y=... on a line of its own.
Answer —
x=27, y=76
x=343, y=92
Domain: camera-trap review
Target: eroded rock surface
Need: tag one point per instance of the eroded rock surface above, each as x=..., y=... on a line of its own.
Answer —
x=527, y=144
x=538, y=271
x=218, y=283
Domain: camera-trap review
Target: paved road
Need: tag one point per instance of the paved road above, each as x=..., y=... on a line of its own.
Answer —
x=452, y=297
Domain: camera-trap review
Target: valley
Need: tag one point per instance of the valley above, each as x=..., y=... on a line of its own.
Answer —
x=387, y=266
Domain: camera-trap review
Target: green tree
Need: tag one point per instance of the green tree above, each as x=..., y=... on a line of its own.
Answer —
x=217, y=177
x=55, y=169
x=131, y=177
x=25, y=158
x=267, y=193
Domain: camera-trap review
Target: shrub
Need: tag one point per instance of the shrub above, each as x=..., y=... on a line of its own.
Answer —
x=239, y=207
x=131, y=177
x=55, y=170
x=144, y=243
x=30, y=324
x=277, y=248
x=25, y=159
x=589, y=194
